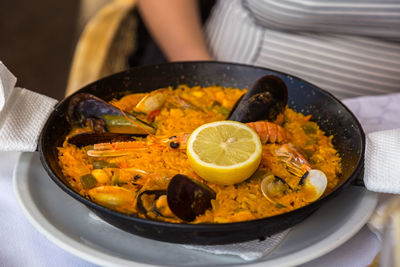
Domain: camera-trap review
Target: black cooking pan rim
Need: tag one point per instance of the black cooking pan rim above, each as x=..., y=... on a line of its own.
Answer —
x=187, y=226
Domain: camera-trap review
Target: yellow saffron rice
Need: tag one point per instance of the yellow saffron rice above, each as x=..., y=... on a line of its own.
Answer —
x=233, y=203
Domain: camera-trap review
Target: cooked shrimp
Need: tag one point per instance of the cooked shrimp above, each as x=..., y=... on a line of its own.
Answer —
x=125, y=148
x=269, y=132
x=295, y=162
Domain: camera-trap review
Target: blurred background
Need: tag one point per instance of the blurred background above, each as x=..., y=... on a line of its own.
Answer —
x=54, y=46
x=37, y=40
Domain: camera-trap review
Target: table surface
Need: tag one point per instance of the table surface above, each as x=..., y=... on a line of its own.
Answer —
x=22, y=245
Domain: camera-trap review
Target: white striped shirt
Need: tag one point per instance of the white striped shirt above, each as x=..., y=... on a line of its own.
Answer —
x=347, y=47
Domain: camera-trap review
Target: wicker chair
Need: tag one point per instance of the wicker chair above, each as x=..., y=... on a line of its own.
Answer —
x=104, y=45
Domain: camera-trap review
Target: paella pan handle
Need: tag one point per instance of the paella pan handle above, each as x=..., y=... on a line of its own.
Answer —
x=22, y=114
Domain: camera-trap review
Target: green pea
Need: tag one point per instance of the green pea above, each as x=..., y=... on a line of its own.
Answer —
x=310, y=128
x=88, y=181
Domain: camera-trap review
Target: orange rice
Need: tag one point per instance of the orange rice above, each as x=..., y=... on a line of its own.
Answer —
x=233, y=203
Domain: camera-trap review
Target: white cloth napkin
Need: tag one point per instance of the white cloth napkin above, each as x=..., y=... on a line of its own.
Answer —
x=382, y=156
x=22, y=114
x=385, y=223
x=382, y=161
x=248, y=251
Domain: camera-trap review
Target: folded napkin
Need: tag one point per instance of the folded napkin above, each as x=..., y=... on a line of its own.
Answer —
x=248, y=251
x=382, y=155
x=385, y=223
x=382, y=161
x=22, y=114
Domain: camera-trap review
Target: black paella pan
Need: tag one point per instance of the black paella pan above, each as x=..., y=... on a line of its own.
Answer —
x=330, y=114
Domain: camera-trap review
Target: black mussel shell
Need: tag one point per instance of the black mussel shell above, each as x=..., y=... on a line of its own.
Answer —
x=188, y=198
x=102, y=116
x=265, y=100
x=83, y=106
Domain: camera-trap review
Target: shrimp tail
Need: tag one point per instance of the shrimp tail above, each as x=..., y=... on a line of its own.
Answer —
x=270, y=132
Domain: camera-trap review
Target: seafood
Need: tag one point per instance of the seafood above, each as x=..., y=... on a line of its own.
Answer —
x=295, y=162
x=111, y=196
x=103, y=117
x=188, y=198
x=274, y=187
x=184, y=198
x=269, y=132
x=88, y=138
x=309, y=180
x=146, y=173
x=156, y=99
x=111, y=124
x=117, y=149
x=152, y=101
x=265, y=100
x=152, y=204
x=313, y=184
x=315, y=181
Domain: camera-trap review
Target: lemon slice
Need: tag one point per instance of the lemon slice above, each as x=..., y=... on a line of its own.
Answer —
x=224, y=152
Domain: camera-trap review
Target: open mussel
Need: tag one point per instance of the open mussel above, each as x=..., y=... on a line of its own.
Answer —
x=265, y=100
x=103, y=117
x=188, y=198
x=153, y=203
x=184, y=198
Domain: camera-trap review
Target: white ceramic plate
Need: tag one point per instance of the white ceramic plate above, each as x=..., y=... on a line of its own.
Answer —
x=72, y=227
